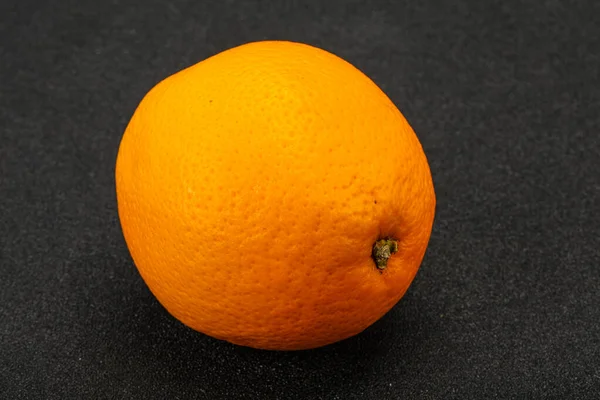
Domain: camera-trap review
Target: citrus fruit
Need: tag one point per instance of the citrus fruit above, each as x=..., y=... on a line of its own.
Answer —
x=274, y=197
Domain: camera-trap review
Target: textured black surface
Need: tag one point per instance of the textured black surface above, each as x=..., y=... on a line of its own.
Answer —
x=504, y=96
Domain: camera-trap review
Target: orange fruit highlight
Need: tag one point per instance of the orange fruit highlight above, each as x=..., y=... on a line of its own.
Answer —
x=274, y=197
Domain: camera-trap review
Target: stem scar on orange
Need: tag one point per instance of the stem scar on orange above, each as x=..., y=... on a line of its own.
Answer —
x=274, y=197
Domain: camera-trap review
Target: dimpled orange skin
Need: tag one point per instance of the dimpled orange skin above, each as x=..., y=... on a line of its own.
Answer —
x=252, y=187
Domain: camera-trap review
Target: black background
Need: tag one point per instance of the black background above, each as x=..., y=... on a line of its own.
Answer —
x=504, y=96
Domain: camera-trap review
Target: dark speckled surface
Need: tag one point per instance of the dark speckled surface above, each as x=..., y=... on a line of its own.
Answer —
x=505, y=97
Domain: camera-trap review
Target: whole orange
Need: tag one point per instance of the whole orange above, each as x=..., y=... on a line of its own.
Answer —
x=274, y=197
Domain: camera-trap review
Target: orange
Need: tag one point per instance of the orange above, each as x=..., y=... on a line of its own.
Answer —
x=274, y=197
